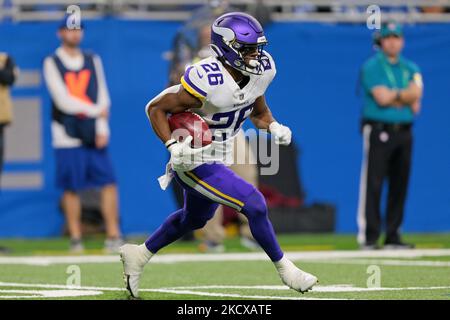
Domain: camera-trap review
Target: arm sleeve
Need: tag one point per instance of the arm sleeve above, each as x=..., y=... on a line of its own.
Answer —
x=63, y=100
x=102, y=124
x=416, y=75
x=371, y=77
x=103, y=94
x=414, y=68
x=195, y=82
x=7, y=74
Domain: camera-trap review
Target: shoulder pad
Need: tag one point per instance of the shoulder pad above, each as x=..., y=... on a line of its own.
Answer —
x=195, y=82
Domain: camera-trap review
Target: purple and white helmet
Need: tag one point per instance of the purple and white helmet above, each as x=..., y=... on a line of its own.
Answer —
x=235, y=34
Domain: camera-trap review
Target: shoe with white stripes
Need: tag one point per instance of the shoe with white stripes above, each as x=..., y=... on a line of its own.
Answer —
x=294, y=277
x=134, y=259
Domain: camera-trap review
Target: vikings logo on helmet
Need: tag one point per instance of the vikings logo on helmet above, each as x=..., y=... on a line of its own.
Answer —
x=234, y=35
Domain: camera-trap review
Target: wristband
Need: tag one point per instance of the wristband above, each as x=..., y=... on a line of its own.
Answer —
x=170, y=143
x=397, y=96
x=274, y=126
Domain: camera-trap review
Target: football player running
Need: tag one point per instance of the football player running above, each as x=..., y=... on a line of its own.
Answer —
x=224, y=89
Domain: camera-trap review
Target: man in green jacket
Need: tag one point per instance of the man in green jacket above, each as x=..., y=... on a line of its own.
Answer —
x=392, y=95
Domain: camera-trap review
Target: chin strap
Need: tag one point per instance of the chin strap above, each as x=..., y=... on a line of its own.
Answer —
x=256, y=66
x=254, y=63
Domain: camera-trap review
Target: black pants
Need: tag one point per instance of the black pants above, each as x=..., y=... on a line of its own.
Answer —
x=387, y=154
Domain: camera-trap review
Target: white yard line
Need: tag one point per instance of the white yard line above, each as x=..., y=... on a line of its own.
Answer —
x=332, y=257
x=30, y=294
x=233, y=295
x=252, y=256
x=57, y=286
x=331, y=288
x=390, y=262
x=161, y=290
x=73, y=291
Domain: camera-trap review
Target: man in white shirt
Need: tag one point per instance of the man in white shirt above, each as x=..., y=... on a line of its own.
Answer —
x=80, y=132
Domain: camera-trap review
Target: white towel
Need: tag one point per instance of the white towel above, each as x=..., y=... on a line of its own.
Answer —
x=164, y=180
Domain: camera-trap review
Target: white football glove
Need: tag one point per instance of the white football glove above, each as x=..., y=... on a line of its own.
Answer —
x=181, y=153
x=282, y=134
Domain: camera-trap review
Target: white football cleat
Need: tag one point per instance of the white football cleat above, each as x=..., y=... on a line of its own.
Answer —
x=134, y=259
x=294, y=277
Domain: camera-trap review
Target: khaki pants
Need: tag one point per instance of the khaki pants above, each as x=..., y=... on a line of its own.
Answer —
x=214, y=231
x=2, y=146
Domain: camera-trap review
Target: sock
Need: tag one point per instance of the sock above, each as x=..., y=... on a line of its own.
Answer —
x=145, y=252
x=283, y=264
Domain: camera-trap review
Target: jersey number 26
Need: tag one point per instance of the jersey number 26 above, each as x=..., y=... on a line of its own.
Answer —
x=214, y=77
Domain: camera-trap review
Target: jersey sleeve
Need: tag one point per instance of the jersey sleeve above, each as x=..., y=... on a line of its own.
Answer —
x=195, y=82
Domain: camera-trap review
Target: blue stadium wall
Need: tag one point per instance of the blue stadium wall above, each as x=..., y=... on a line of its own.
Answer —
x=313, y=93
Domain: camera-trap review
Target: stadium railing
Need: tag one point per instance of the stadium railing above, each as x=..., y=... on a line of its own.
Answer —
x=281, y=10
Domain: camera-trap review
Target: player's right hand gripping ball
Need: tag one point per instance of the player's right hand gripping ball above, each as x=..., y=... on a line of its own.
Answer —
x=192, y=136
x=190, y=124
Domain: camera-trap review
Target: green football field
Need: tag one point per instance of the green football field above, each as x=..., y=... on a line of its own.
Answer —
x=42, y=269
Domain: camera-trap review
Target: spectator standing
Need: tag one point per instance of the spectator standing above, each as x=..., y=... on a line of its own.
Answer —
x=8, y=74
x=80, y=132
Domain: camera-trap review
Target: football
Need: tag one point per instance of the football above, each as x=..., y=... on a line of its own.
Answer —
x=190, y=123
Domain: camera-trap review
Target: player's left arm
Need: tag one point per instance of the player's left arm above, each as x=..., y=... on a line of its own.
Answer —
x=262, y=118
x=261, y=115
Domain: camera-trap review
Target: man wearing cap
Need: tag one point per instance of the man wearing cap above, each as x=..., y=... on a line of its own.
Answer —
x=80, y=132
x=392, y=91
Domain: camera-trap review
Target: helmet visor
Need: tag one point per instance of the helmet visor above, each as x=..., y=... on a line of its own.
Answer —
x=246, y=49
x=249, y=52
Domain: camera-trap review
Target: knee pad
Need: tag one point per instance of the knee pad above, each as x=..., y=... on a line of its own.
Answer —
x=255, y=206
